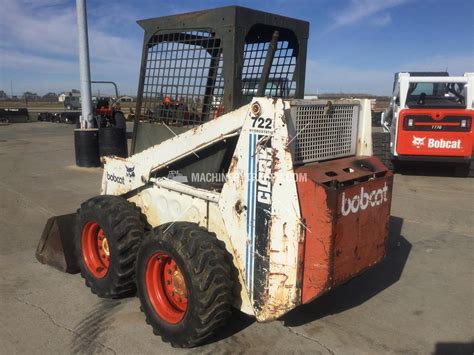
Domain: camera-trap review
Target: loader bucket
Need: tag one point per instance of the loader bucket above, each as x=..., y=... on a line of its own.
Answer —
x=56, y=246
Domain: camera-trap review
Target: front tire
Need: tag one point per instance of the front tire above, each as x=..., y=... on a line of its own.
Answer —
x=184, y=283
x=109, y=230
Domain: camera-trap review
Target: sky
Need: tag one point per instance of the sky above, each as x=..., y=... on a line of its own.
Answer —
x=354, y=46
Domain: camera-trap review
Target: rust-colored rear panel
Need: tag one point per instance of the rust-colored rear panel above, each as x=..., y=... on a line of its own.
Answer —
x=345, y=204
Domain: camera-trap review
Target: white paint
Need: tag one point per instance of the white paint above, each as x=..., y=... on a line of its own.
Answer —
x=418, y=141
x=363, y=200
x=444, y=144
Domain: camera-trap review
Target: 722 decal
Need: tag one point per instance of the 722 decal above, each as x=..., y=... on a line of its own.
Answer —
x=260, y=122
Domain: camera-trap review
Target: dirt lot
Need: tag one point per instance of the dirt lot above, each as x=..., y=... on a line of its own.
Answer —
x=418, y=301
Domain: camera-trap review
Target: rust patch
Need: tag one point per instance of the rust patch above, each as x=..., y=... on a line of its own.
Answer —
x=275, y=165
x=286, y=146
x=256, y=109
x=328, y=108
x=241, y=180
x=285, y=276
x=233, y=164
x=337, y=246
x=239, y=207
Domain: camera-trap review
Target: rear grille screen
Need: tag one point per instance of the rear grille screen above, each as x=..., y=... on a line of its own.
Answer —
x=324, y=132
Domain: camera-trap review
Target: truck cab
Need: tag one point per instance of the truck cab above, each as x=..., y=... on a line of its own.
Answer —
x=72, y=102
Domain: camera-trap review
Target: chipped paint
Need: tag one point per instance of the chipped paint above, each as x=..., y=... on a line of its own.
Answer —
x=337, y=246
x=277, y=280
x=258, y=217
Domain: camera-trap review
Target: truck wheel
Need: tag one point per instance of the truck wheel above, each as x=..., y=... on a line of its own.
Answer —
x=381, y=148
x=184, y=283
x=109, y=229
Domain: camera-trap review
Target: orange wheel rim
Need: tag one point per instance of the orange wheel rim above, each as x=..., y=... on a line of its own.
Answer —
x=166, y=287
x=95, y=249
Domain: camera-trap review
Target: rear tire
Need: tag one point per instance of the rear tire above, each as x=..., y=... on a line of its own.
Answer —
x=109, y=230
x=381, y=148
x=184, y=315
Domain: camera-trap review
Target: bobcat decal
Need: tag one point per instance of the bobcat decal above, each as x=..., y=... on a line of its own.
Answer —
x=130, y=171
x=418, y=141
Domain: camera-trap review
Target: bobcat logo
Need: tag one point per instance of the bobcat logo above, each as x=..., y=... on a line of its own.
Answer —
x=130, y=171
x=418, y=142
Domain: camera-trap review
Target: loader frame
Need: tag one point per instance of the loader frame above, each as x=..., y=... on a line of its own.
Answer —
x=260, y=190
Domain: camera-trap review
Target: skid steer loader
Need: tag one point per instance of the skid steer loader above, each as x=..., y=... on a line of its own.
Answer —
x=259, y=203
x=429, y=119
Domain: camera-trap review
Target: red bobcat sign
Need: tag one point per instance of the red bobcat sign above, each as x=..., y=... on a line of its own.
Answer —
x=434, y=133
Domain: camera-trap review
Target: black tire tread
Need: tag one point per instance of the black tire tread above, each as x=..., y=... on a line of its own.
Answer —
x=208, y=264
x=381, y=148
x=128, y=224
x=465, y=170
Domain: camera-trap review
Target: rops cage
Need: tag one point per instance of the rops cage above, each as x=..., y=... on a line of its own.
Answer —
x=199, y=65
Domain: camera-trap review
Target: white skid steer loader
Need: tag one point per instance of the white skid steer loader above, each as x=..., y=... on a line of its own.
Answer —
x=429, y=119
x=262, y=208
x=256, y=242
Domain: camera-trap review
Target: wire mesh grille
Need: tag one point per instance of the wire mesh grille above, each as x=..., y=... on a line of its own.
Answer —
x=183, y=82
x=280, y=82
x=323, y=133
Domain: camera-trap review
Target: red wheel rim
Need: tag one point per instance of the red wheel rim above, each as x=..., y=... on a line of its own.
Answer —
x=166, y=287
x=95, y=250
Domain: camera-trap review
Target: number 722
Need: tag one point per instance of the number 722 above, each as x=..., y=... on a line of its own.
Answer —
x=261, y=122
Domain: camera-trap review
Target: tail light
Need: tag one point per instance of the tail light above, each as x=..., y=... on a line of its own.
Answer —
x=466, y=123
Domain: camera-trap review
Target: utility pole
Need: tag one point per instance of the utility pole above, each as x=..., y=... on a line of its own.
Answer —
x=86, y=138
x=84, y=65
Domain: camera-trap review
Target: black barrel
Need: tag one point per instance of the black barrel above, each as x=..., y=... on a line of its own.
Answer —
x=113, y=141
x=86, y=142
